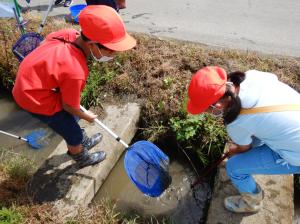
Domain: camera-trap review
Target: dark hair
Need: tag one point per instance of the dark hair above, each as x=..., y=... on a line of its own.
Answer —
x=234, y=108
x=236, y=78
x=111, y=3
x=103, y=47
x=85, y=39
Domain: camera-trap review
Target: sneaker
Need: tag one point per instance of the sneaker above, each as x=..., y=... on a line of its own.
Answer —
x=68, y=3
x=90, y=142
x=85, y=158
x=57, y=2
x=245, y=203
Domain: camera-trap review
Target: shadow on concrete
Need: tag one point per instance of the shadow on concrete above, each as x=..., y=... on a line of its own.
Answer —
x=43, y=187
x=51, y=182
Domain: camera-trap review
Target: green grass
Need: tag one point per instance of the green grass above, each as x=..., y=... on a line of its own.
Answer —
x=15, y=165
x=10, y=216
x=99, y=75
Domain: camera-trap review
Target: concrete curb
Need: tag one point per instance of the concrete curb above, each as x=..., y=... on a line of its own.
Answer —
x=58, y=180
x=278, y=204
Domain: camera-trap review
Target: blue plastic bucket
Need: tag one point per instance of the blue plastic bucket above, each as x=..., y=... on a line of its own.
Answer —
x=75, y=10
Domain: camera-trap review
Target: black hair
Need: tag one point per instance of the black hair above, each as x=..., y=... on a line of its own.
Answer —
x=234, y=108
x=103, y=47
x=111, y=3
x=85, y=39
x=236, y=78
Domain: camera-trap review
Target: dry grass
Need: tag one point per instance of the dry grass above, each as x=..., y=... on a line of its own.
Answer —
x=16, y=204
x=9, y=34
x=157, y=71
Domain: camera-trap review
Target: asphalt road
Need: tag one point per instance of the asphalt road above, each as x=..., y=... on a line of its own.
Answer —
x=269, y=26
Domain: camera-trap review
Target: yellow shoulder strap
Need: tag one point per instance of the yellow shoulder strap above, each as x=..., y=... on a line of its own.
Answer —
x=267, y=109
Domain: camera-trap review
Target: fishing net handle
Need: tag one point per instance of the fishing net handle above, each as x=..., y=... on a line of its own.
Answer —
x=209, y=169
x=51, y=2
x=14, y=136
x=20, y=22
x=117, y=138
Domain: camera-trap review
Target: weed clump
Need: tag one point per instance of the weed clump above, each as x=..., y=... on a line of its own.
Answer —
x=16, y=166
x=10, y=216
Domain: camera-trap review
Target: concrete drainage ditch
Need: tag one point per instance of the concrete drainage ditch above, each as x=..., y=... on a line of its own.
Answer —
x=58, y=180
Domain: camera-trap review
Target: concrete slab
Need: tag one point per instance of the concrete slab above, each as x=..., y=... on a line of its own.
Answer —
x=16, y=121
x=278, y=201
x=58, y=180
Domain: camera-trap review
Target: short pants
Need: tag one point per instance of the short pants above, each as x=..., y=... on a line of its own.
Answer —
x=64, y=124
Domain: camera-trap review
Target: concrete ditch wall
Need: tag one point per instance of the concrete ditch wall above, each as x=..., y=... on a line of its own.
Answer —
x=59, y=181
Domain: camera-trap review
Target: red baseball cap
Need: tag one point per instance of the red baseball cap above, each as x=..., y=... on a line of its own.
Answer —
x=103, y=24
x=207, y=86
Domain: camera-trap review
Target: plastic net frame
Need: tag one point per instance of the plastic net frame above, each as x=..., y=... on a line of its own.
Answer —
x=148, y=168
x=26, y=44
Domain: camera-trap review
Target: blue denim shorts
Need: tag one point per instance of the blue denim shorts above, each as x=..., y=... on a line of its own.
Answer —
x=64, y=124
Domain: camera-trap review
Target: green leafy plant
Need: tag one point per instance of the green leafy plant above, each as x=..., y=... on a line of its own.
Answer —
x=186, y=128
x=202, y=134
x=9, y=216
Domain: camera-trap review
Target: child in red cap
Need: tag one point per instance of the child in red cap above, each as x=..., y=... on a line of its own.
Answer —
x=50, y=79
x=261, y=115
x=116, y=4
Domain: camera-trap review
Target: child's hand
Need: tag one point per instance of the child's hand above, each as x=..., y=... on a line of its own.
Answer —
x=233, y=149
x=230, y=148
x=90, y=116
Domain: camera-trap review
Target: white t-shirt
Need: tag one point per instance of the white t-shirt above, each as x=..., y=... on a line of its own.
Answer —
x=279, y=130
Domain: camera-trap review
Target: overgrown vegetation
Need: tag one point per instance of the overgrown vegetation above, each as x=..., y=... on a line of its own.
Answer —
x=8, y=65
x=10, y=216
x=16, y=166
x=191, y=130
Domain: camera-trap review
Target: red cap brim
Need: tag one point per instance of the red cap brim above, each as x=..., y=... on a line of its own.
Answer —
x=125, y=44
x=194, y=108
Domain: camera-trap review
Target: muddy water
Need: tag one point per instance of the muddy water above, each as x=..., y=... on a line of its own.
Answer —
x=178, y=203
x=16, y=121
